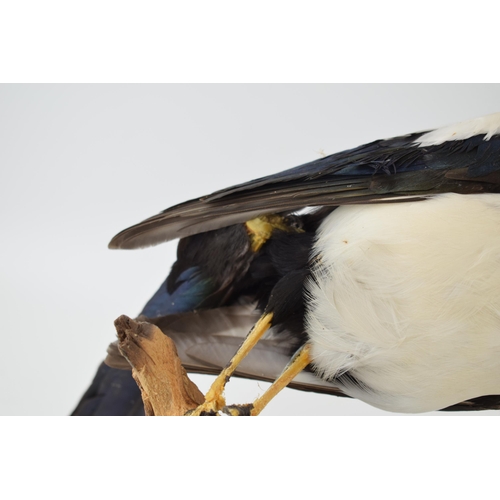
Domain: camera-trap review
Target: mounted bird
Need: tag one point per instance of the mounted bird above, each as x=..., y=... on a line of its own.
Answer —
x=377, y=266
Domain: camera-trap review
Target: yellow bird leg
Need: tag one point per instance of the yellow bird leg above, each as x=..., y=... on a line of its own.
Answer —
x=214, y=399
x=298, y=362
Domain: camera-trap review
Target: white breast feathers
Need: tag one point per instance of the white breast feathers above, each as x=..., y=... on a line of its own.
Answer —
x=406, y=299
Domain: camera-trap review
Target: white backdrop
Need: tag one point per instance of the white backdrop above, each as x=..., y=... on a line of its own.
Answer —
x=81, y=162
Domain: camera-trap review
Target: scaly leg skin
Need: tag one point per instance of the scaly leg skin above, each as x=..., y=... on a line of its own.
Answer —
x=214, y=399
x=298, y=362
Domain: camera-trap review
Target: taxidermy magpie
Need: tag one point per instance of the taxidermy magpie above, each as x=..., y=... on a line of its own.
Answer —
x=378, y=265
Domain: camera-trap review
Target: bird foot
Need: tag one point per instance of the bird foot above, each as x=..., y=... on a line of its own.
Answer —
x=244, y=410
x=210, y=408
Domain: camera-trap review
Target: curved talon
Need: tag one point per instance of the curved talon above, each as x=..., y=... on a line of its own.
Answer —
x=200, y=413
x=207, y=409
x=244, y=410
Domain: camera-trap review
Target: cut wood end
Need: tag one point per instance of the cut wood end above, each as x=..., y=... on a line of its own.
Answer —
x=126, y=326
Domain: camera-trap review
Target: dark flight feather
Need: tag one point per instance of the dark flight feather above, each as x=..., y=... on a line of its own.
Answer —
x=376, y=172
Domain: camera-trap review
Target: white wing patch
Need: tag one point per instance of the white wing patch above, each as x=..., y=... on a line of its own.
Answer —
x=489, y=125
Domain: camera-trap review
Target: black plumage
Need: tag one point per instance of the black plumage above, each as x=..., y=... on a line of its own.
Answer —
x=112, y=392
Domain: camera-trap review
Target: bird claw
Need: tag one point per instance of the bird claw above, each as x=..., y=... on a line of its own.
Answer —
x=209, y=408
x=244, y=410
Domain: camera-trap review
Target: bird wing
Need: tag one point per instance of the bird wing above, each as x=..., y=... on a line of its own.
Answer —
x=398, y=169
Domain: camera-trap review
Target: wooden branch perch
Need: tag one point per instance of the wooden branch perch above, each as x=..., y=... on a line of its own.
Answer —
x=166, y=389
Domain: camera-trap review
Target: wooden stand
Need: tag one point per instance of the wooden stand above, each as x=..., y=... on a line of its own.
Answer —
x=166, y=389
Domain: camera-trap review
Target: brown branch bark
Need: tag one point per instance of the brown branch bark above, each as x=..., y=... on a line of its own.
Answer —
x=166, y=389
